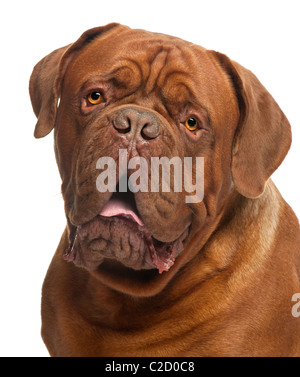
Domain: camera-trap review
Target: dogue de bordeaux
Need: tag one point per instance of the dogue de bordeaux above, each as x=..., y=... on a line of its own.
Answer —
x=146, y=272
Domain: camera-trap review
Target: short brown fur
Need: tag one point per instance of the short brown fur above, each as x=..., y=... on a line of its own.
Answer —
x=229, y=292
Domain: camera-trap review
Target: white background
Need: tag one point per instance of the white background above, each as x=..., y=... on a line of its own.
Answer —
x=262, y=35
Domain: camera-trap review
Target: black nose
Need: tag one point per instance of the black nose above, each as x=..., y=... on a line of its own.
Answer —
x=137, y=124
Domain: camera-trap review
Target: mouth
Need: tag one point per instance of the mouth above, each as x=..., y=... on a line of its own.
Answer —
x=118, y=232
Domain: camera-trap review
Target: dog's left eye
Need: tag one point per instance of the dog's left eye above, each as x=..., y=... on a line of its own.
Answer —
x=191, y=124
x=94, y=98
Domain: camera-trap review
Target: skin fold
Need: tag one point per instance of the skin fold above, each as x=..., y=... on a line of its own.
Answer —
x=163, y=277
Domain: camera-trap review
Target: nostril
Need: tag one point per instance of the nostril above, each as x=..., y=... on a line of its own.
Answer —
x=122, y=124
x=144, y=132
x=150, y=130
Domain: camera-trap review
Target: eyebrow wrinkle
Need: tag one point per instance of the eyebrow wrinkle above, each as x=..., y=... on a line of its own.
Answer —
x=178, y=73
x=155, y=69
x=136, y=64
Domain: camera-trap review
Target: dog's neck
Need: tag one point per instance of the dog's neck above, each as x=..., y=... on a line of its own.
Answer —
x=242, y=239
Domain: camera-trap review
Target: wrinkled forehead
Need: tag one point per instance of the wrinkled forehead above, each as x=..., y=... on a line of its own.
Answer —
x=151, y=62
x=148, y=54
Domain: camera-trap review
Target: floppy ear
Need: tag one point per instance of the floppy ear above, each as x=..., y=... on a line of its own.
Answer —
x=47, y=75
x=263, y=136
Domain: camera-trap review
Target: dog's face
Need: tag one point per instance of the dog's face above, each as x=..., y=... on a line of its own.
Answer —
x=137, y=92
x=152, y=96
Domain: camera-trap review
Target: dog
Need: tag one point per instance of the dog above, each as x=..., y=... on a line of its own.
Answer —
x=158, y=272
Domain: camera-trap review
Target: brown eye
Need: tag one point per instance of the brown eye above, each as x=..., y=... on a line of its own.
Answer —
x=191, y=124
x=95, y=98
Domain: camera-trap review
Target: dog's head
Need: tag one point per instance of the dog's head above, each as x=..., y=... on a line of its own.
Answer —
x=132, y=112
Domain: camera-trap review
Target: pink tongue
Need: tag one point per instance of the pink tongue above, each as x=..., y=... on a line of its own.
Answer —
x=117, y=207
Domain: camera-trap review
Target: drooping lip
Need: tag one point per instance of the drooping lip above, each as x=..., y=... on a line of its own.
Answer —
x=162, y=254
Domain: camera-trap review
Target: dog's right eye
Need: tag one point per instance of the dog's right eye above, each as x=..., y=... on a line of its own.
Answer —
x=94, y=98
x=191, y=124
